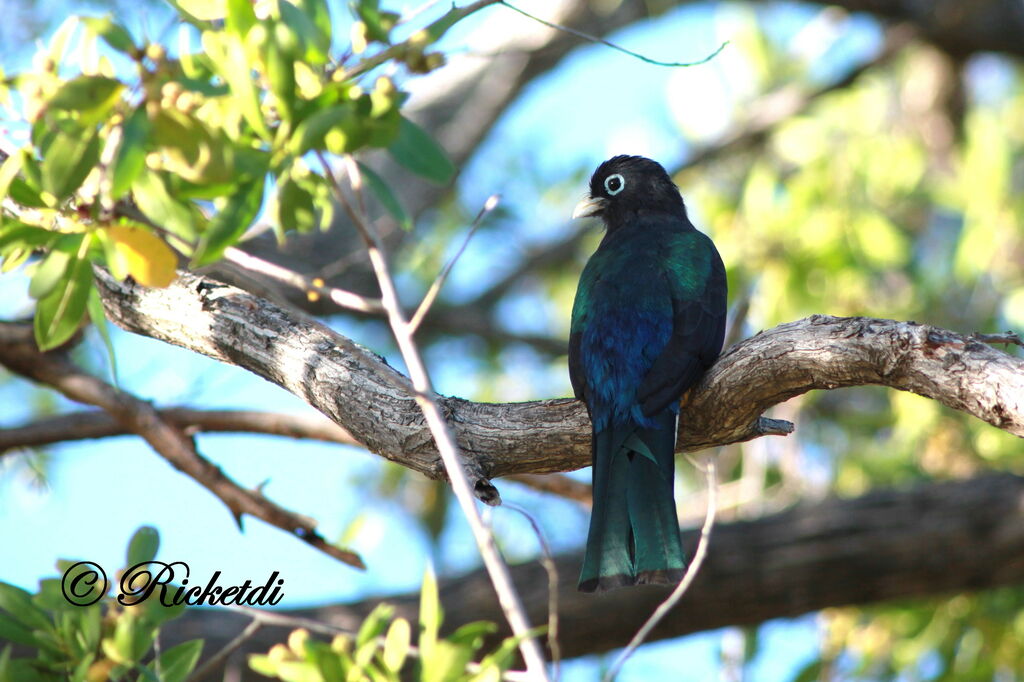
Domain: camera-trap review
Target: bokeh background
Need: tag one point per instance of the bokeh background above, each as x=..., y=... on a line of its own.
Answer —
x=843, y=162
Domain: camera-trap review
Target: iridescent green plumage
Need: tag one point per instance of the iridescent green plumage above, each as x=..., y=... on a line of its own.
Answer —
x=648, y=320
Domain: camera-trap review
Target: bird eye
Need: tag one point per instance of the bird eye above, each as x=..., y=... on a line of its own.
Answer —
x=614, y=184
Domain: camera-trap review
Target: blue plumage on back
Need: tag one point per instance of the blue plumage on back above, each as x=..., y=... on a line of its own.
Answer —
x=648, y=320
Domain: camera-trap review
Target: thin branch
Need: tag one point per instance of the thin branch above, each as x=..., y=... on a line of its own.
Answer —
x=450, y=456
x=602, y=41
x=428, y=299
x=19, y=353
x=91, y=424
x=215, y=661
x=433, y=31
x=341, y=297
x=557, y=484
x=548, y=562
x=688, y=577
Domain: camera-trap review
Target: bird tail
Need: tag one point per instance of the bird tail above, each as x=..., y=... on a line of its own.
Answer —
x=634, y=532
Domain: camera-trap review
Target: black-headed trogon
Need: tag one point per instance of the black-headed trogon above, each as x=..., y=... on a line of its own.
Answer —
x=648, y=320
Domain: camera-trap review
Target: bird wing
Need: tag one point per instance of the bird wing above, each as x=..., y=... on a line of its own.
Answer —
x=698, y=325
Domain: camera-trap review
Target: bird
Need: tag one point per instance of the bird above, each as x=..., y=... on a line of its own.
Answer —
x=647, y=321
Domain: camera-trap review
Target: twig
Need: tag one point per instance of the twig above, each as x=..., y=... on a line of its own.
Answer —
x=547, y=560
x=19, y=353
x=602, y=41
x=434, y=31
x=428, y=299
x=214, y=661
x=557, y=484
x=88, y=424
x=1006, y=337
x=341, y=297
x=450, y=456
x=684, y=584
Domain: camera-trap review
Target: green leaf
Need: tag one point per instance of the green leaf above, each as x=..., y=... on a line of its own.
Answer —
x=230, y=223
x=59, y=313
x=374, y=624
x=175, y=664
x=143, y=545
x=18, y=603
x=311, y=132
x=12, y=630
x=385, y=196
x=156, y=202
x=319, y=12
x=13, y=186
x=228, y=55
x=132, y=638
x=281, y=74
x=68, y=159
x=396, y=644
x=131, y=154
x=240, y=17
x=416, y=150
x=191, y=150
x=52, y=268
x=315, y=49
x=86, y=93
x=430, y=614
x=113, y=33
x=204, y=10
x=17, y=235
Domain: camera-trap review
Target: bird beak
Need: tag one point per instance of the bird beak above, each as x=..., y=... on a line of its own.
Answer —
x=589, y=206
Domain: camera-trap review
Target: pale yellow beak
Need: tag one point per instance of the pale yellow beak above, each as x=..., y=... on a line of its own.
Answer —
x=589, y=206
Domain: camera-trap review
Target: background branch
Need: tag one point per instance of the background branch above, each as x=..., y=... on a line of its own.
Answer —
x=930, y=540
x=19, y=353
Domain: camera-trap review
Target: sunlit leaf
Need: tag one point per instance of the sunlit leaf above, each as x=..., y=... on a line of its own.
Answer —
x=131, y=154
x=59, y=313
x=112, y=32
x=86, y=92
x=68, y=159
x=231, y=222
x=155, y=201
x=177, y=663
x=145, y=256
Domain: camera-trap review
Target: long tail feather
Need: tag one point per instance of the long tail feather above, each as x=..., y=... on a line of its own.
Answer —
x=634, y=533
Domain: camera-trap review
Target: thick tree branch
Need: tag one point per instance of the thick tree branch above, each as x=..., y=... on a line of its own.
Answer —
x=358, y=390
x=889, y=544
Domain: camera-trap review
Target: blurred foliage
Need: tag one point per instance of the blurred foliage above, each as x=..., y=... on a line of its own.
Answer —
x=383, y=650
x=882, y=200
x=89, y=636
x=138, y=155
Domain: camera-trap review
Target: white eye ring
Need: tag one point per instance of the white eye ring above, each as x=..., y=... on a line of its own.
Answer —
x=608, y=184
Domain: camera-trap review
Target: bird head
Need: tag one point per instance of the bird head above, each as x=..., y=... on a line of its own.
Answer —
x=629, y=185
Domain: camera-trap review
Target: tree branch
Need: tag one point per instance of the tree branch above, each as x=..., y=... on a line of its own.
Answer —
x=888, y=544
x=359, y=391
x=19, y=353
x=89, y=424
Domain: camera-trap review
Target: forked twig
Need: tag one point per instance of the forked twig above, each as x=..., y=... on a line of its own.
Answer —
x=451, y=457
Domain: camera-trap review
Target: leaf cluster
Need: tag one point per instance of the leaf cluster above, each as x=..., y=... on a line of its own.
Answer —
x=139, y=158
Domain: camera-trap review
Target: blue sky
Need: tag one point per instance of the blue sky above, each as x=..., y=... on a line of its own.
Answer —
x=598, y=102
